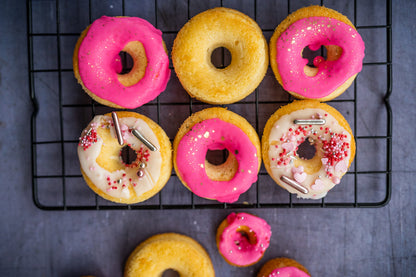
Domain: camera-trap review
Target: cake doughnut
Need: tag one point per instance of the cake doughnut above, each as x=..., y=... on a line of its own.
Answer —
x=97, y=64
x=316, y=26
x=217, y=129
x=243, y=238
x=169, y=251
x=283, y=267
x=307, y=121
x=103, y=168
x=211, y=29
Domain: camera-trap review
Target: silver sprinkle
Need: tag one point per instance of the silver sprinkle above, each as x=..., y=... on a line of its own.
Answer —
x=142, y=165
x=119, y=181
x=148, y=144
x=309, y=121
x=117, y=127
x=294, y=184
x=140, y=173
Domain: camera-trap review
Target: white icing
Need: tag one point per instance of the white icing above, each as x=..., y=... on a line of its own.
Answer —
x=99, y=176
x=318, y=183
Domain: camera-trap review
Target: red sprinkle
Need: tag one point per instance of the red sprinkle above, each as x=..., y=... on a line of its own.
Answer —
x=88, y=139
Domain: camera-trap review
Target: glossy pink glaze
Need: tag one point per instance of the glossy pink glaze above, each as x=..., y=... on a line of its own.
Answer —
x=315, y=32
x=98, y=66
x=289, y=271
x=215, y=134
x=236, y=248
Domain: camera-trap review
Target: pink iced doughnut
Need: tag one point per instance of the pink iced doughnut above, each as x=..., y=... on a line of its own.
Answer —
x=316, y=26
x=97, y=64
x=288, y=272
x=243, y=238
x=217, y=129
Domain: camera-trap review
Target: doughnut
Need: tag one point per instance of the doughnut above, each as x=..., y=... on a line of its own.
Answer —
x=171, y=251
x=97, y=64
x=317, y=124
x=243, y=238
x=207, y=31
x=316, y=26
x=283, y=267
x=217, y=129
x=103, y=168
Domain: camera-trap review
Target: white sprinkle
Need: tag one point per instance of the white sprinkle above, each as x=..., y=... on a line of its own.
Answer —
x=249, y=171
x=202, y=166
x=206, y=135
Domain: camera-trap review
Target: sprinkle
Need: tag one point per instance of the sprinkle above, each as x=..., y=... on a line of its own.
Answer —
x=140, y=173
x=88, y=139
x=318, y=185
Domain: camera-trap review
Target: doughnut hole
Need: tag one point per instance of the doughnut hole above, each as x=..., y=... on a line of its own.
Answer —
x=314, y=57
x=128, y=156
x=247, y=233
x=306, y=150
x=131, y=64
x=220, y=165
x=170, y=273
x=221, y=57
x=124, y=63
x=309, y=156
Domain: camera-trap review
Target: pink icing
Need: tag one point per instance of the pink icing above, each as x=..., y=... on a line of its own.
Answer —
x=215, y=134
x=315, y=32
x=235, y=247
x=98, y=63
x=289, y=271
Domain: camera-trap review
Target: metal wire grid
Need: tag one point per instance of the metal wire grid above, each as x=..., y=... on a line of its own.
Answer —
x=191, y=201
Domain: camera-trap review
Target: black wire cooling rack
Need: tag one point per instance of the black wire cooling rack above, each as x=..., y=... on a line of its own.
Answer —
x=62, y=109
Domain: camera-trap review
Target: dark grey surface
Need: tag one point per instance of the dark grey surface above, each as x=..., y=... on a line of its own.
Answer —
x=329, y=242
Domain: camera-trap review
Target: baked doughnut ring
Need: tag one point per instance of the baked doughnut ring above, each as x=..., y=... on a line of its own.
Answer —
x=103, y=168
x=217, y=129
x=243, y=238
x=198, y=38
x=97, y=64
x=169, y=251
x=333, y=142
x=316, y=26
x=283, y=267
